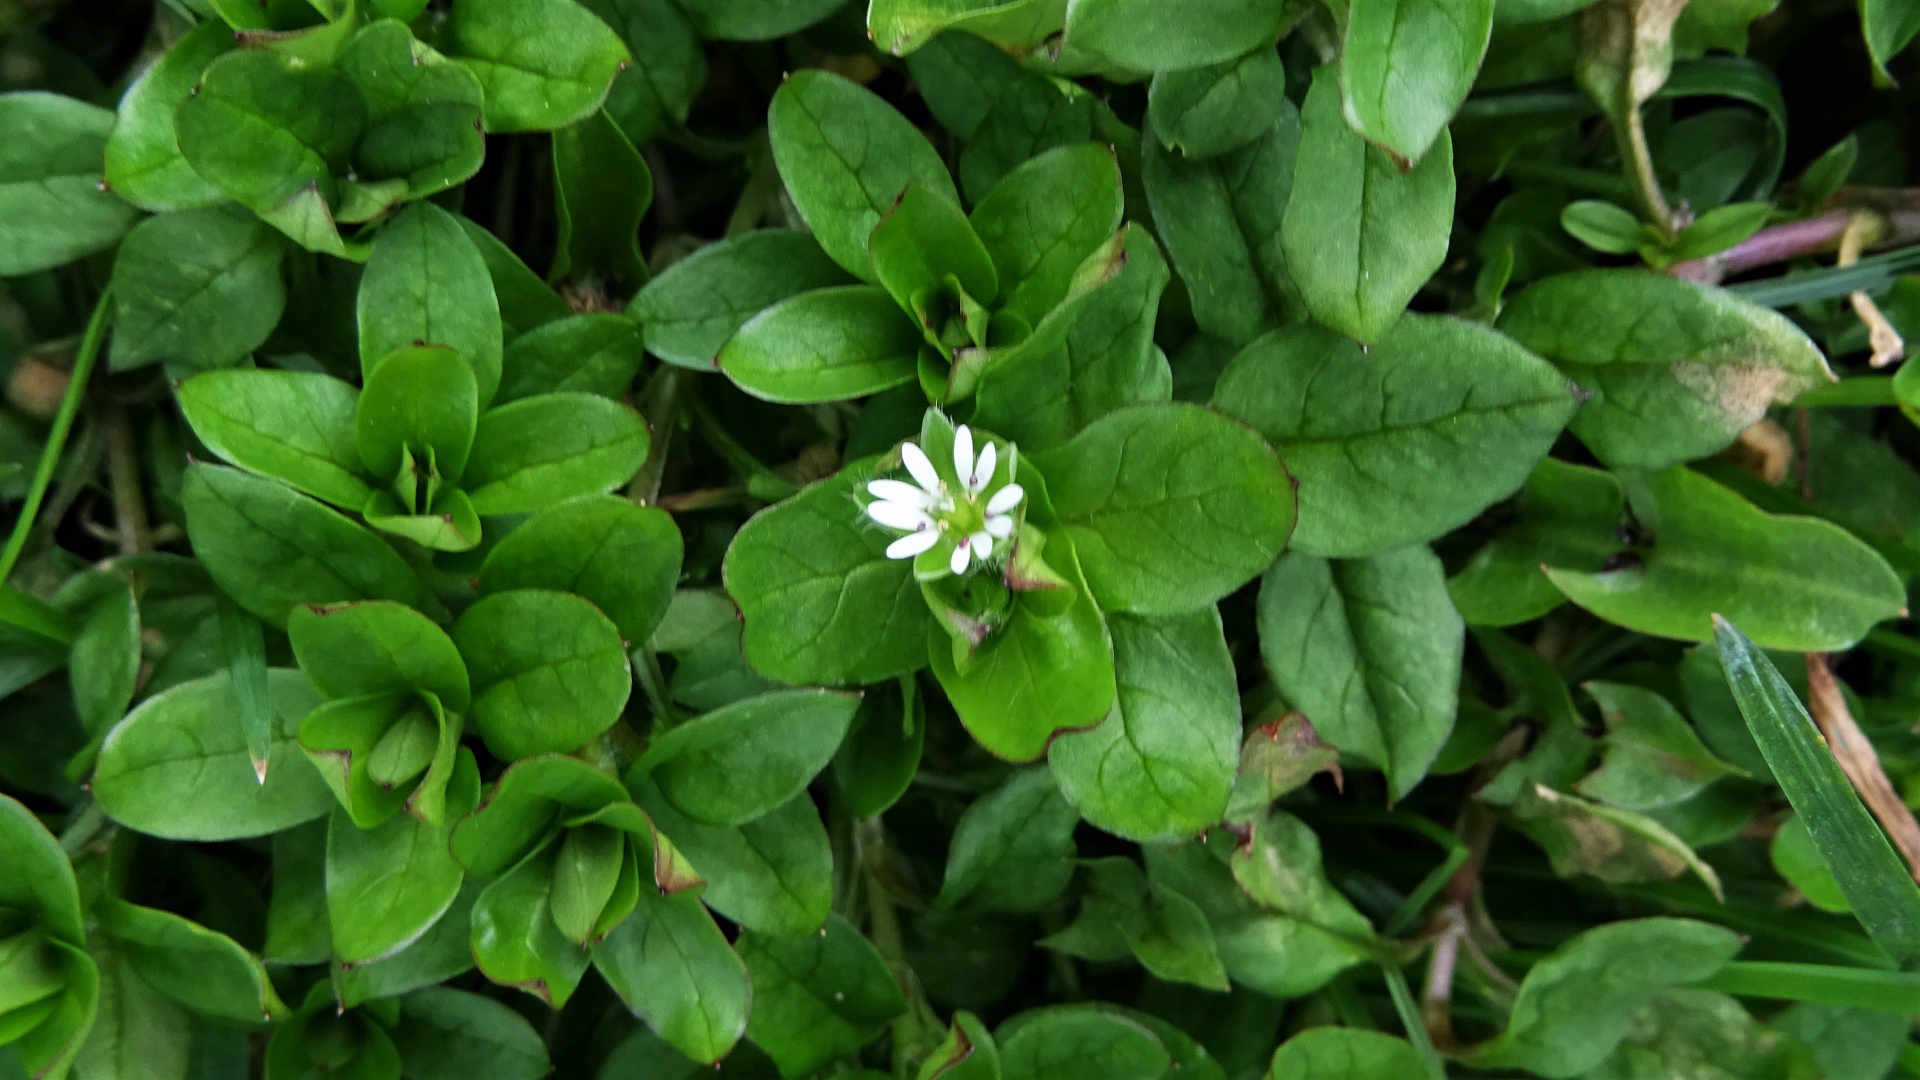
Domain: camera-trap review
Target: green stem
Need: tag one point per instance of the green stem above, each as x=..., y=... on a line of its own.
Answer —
x=1637, y=159
x=762, y=483
x=653, y=681
x=62, y=425
x=1410, y=1018
x=82, y=828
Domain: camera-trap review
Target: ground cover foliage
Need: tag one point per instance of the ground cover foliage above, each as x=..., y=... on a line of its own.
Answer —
x=968, y=539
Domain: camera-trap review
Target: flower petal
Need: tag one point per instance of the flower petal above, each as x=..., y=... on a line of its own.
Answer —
x=999, y=525
x=915, y=459
x=963, y=452
x=981, y=543
x=899, y=492
x=983, y=469
x=899, y=516
x=912, y=544
x=961, y=557
x=1006, y=499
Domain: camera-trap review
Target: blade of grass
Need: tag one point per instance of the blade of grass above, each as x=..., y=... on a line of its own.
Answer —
x=57, y=435
x=1411, y=1020
x=1870, y=875
x=1854, y=988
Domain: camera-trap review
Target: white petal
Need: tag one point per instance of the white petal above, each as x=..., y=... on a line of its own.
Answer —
x=961, y=557
x=898, y=492
x=963, y=452
x=899, y=516
x=1006, y=499
x=912, y=544
x=983, y=469
x=916, y=462
x=982, y=543
x=999, y=525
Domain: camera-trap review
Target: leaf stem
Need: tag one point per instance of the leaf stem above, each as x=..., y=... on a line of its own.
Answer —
x=57, y=436
x=653, y=682
x=762, y=482
x=130, y=522
x=1638, y=160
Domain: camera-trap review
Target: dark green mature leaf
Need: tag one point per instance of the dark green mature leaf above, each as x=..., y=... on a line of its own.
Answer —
x=673, y=967
x=1678, y=369
x=376, y=647
x=846, y=156
x=138, y=1033
x=825, y=345
x=1277, y=866
x=596, y=353
x=448, y=1034
x=207, y=971
x=1793, y=583
x=549, y=672
x=1045, y=218
x=525, y=301
x=1407, y=65
x=1361, y=237
x=271, y=548
x=1163, y=929
x=143, y=161
x=51, y=1045
x=1331, y=1053
x=1080, y=1042
x=1870, y=875
x=1013, y=848
x=1170, y=507
x=624, y=558
x=1041, y=672
x=1032, y=115
x=1402, y=442
x=294, y=426
x=1206, y=111
x=423, y=111
x=817, y=997
x=737, y=763
x=1041, y=395
x=923, y=241
x=104, y=659
x=1221, y=220
x=273, y=132
x=773, y=875
x=695, y=305
x=821, y=602
x=40, y=883
x=1262, y=947
x=1161, y=765
x=877, y=761
x=903, y=26
x=669, y=67
x=538, y=451
x=959, y=75
x=602, y=190
x=542, y=64
x=53, y=206
x=178, y=767
x=1370, y=650
x=1574, y=1006
x=1653, y=757
x=426, y=284
x=1569, y=517
x=387, y=885
x=1140, y=35
x=756, y=20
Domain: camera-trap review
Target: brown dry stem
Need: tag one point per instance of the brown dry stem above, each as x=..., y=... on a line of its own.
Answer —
x=1858, y=760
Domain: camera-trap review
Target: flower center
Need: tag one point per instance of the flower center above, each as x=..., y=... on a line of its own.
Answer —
x=961, y=517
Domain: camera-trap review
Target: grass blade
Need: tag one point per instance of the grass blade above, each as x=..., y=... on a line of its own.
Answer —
x=1853, y=988
x=1873, y=878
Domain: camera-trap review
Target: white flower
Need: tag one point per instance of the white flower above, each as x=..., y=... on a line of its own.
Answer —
x=931, y=511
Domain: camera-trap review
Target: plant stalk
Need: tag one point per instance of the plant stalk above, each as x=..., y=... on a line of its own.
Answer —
x=57, y=436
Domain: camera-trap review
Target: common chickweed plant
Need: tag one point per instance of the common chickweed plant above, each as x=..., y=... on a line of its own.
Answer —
x=958, y=540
